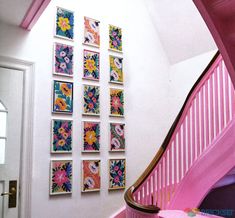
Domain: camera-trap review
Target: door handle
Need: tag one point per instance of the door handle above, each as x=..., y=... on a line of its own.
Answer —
x=12, y=194
x=13, y=191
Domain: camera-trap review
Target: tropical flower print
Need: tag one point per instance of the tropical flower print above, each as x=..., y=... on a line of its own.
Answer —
x=62, y=97
x=91, y=136
x=115, y=38
x=91, y=97
x=91, y=32
x=61, y=177
x=63, y=60
x=64, y=23
x=116, y=73
x=91, y=65
x=117, y=173
x=61, y=136
x=90, y=175
x=116, y=102
x=117, y=137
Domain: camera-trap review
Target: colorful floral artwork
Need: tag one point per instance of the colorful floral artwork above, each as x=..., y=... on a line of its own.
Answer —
x=91, y=97
x=117, y=102
x=62, y=97
x=91, y=32
x=115, y=38
x=63, y=60
x=91, y=136
x=90, y=175
x=64, y=23
x=117, y=173
x=117, y=137
x=116, y=73
x=61, y=136
x=61, y=177
x=91, y=65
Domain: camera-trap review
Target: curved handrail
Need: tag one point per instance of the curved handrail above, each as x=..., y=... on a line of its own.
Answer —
x=129, y=193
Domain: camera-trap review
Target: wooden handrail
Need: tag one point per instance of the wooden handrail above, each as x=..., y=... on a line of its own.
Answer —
x=129, y=193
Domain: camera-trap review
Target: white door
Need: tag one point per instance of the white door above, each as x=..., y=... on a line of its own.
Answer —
x=11, y=97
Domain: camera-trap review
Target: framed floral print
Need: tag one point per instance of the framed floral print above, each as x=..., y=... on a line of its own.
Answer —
x=91, y=65
x=115, y=38
x=117, y=137
x=63, y=60
x=61, y=177
x=91, y=32
x=62, y=97
x=91, y=100
x=61, y=136
x=90, y=175
x=117, y=174
x=64, y=27
x=91, y=136
x=116, y=102
x=116, y=72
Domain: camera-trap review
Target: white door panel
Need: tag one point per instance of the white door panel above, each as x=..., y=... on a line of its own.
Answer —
x=11, y=95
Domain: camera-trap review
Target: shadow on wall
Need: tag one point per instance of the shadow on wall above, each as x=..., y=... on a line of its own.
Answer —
x=17, y=43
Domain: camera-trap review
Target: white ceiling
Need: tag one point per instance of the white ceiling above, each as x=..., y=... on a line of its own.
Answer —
x=13, y=11
x=180, y=27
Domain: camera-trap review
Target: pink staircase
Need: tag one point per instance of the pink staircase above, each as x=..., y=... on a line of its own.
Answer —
x=198, y=151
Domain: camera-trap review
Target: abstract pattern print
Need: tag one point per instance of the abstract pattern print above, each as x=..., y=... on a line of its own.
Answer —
x=117, y=102
x=64, y=23
x=61, y=136
x=115, y=38
x=116, y=73
x=91, y=32
x=91, y=65
x=61, y=177
x=117, y=173
x=91, y=97
x=90, y=175
x=63, y=60
x=117, y=137
x=62, y=97
x=91, y=136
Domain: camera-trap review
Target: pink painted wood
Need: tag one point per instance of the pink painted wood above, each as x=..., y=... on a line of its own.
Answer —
x=206, y=124
x=35, y=11
x=218, y=16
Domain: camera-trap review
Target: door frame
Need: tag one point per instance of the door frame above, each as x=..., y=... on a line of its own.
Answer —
x=26, y=160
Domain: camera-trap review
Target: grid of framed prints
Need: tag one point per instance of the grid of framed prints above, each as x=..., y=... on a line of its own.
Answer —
x=61, y=169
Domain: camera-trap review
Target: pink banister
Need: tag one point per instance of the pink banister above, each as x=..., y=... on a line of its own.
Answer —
x=205, y=115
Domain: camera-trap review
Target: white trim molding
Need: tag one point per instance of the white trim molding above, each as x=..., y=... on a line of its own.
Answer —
x=26, y=166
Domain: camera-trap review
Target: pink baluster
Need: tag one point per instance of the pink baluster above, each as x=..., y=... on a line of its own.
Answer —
x=211, y=109
x=179, y=166
x=166, y=176
x=184, y=146
x=226, y=76
x=170, y=171
x=162, y=184
x=207, y=130
x=221, y=91
x=202, y=118
x=197, y=122
x=216, y=94
x=158, y=186
x=193, y=131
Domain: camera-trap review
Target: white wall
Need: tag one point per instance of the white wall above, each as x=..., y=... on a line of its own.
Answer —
x=182, y=77
x=146, y=78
